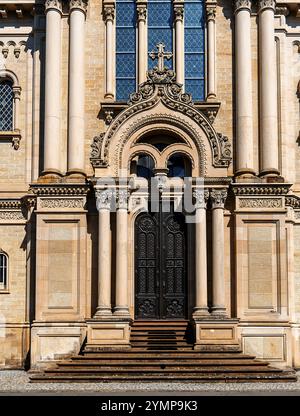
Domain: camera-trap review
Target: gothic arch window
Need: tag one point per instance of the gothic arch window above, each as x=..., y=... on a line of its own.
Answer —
x=3, y=271
x=6, y=105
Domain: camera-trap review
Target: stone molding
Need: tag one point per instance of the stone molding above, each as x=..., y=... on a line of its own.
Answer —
x=10, y=204
x=261, y=189
x=266, y=4
x=242, y=5
x=12, y=216
x=218, y=198
x=178, y=12
x=53, y=5
x=201, y=197
x=57, y=190
x=297, y=215
x=261, y=203
x=210, y=13
x=104, y=198
x=141, y=12
x=123, y=196
x=62, y=203
x=12, y=210
x=162, y=86
x=78, y=5
x=109, y=12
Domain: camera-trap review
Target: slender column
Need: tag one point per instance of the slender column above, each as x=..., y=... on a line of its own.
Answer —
x=218, y=197
x=201, y=308
x=52, y=134
x=179, y=42
x=142, y=36
x=268, y=88
x=121, y=307
x=76, y=86
x=244, y=116
x=211, y=59
x=109, y=15
x=17, y=96
x=104, y=200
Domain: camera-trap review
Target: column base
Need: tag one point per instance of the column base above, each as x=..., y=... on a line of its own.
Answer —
x=108, y=333
x=200, y=312
x=50, y=175
x=121, y=311
x=211, y=97
x=75, y=175
x=102, y=311
x=245, y=173
x=212, y=334
x=269, y=172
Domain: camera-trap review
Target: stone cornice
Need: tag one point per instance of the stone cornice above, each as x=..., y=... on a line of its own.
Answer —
x=10, y=203
x=60, y=189
x=261, y=189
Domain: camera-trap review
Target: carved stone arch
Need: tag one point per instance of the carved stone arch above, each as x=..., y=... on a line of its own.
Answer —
x=143, y=150
x=181, y=151
x=8, y=74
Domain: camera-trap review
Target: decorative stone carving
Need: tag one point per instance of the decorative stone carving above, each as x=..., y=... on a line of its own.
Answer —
x=16, y=142
x=59, y=189
x=292, y=201
x=141, y=12
x=99, y=158
x=53, y=4
x=78, y=4
x=109, y=12
x=266, y=4
x=201, y=197
x=178, y=12
x=5, y=51
x=104, y=198
x=218, y=198
x=241, y=5
x=11, y=215
x=17, y=52
x=210, y=13
x=282, y=10
x=277, y=189
x=297, y=215
x=123, y=196
x=108, y=116
x=260, y=203
x=10, y=204
x=62, y=203
x=3, y=13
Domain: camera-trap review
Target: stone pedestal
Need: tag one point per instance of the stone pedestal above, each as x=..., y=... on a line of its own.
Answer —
x=212, y=334
x=108, y=333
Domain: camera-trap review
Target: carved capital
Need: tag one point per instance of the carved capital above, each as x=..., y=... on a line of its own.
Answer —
x=241, y=5
x=210, y=13
x=104, y=198
x=78, y=4
x=201, y=197
x=123, y=196
x=266, y=4
x=109, y=12
x=141, y=12
x=218, y=198
x=178, y=12
x=53, y=5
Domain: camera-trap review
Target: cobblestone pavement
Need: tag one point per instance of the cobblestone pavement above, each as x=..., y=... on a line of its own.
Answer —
x=17, y=381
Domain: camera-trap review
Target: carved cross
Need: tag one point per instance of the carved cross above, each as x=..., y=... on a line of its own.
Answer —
x=161, y=55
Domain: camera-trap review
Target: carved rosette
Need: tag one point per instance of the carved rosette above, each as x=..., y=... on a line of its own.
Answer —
x=123, y=196
x=266, y=4
x=218, y=198
x=241, y=5
x=178, y=12
x=210, y=13
x=78, y=5
x=109, y=12
x=53, y=5
x=141, y=12
x=104, y=198
x=201, y=197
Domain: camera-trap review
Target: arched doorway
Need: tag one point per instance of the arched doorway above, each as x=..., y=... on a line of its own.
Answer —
x=160, y=265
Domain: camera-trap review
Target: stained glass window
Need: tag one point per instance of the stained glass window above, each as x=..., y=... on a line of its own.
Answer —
x=6, y=105
x=125, y=49
x=194, y=46
x=160, y=28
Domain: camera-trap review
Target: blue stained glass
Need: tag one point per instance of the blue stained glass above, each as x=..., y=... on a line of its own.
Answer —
x=124, y=88
x=196, y=88
x=194, y=65
x=126, y=14
x=126, y=65
x=126, y=40
x=194, y=14
x=194, y=40
x=6, y=106
x=160, y=14
x=160, y=35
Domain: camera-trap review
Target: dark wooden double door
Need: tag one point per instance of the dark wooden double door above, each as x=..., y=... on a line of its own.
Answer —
x=160, y=266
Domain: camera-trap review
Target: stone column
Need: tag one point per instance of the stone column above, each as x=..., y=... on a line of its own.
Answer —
x=109, y=15
x=121, y=307
x=17, y=97
x=52, y=134
x=179, y=41
x=104, y=201
x=76, y=86
x=268, y=88
x=218, y=197
x=142, y=36
x=200, y=309
x=211, y=49
x=244, y=116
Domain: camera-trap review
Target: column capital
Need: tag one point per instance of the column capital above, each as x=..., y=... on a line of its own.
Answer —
x=239, y=5
x=210, y=12
x=201, y=197
x=141, y=11
x=53, y=5
x=109, y=12
x=78, y=5
x=218, y=198
x=104, y=198
x=178, y=11
x=123, y=195
x=266, y=4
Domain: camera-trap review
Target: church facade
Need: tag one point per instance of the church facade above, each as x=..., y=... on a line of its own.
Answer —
x=149, y=171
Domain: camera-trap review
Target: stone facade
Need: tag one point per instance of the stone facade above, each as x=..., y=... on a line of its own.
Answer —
x=71, y=261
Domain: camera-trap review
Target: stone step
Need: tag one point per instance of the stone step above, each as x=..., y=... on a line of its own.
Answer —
x=164, y=362
x=166, y=355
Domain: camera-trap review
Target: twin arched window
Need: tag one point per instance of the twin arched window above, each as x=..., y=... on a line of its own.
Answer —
x=3, y=271
x=6, y=105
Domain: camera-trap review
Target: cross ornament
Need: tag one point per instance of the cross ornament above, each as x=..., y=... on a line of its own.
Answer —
x=161, y=55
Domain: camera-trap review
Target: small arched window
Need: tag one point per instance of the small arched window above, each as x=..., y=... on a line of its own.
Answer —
x=142, y=165
x=179, y=166
x=3, y=271
x=6, y=105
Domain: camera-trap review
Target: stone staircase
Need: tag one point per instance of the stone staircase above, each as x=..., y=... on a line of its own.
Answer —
x=162, y=351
